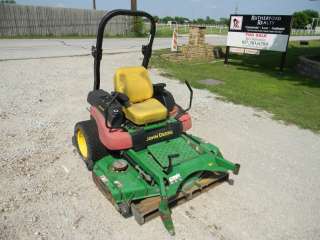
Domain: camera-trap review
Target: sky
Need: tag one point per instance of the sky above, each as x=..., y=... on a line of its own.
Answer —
x=190, y=8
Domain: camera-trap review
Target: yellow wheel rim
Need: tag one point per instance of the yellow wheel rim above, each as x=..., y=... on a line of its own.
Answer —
x=82, y=144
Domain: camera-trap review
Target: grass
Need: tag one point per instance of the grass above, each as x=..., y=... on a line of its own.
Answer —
x=255, y=81
x=166, y=31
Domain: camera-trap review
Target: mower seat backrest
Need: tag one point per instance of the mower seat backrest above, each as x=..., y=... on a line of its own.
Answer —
x=133, y=82
x=136, y=84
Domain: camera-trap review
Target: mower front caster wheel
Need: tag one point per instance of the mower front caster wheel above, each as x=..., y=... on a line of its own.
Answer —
x=87, y=143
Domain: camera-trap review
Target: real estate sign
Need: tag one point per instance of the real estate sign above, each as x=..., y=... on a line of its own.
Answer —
x=262, y=32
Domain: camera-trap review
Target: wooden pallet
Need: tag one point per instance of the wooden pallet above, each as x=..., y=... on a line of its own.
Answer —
x=147, y=209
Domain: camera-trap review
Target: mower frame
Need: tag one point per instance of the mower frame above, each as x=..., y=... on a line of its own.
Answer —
x=97, y=50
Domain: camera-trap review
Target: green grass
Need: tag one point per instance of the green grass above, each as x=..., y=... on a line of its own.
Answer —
x=255, y=81
x=166, y=31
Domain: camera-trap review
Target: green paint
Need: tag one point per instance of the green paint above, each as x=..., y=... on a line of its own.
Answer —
x=165, y=214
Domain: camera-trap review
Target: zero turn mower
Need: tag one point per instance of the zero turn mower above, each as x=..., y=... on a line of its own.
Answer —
x=136, y=142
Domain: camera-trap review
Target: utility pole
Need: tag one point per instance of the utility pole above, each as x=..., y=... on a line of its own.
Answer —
x=133, y=5
x=135, y=19
x=94, y=4
x=236, y=8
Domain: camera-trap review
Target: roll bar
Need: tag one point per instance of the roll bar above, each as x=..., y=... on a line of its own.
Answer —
x=97, y=50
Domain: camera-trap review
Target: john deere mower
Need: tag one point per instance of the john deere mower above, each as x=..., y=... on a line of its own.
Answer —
x=136, y=142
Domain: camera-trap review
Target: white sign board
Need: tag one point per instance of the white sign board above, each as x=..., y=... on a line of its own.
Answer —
x=261, y=32
x=261, y=41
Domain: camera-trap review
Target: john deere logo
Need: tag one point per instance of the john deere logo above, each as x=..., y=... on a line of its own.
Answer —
x=159, y=135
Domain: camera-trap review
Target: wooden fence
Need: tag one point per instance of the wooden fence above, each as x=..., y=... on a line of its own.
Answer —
x=18, y=20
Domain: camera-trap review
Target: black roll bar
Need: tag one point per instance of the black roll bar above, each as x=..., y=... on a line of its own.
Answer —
x=97, y=50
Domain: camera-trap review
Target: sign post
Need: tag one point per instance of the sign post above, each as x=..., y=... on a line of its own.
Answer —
x=260, y=32
x=226, y=57
x=284, y=54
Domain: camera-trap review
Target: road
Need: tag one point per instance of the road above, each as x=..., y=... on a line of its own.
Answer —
x=46, y=192
x=39, y=48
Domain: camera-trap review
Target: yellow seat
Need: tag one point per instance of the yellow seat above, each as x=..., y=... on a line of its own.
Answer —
x=136, y=84
x=148, y=111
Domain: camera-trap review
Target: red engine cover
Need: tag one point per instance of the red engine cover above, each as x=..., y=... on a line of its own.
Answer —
x=118, y=139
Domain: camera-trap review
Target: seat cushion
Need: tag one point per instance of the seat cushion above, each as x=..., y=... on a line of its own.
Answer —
x=145, y=112
x=133, y=82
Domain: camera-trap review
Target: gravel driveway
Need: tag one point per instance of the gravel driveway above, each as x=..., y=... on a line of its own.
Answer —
x=46, y=192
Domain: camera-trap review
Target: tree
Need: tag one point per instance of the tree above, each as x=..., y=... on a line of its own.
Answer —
x=7, y=1
x=167, y=19
x=224, y=21
x=210, y=21
x=200, y=21
x=139, y=29
x=156, y=18
x=300, y=20
x=311, y=14
x=303, y=18
x=180, y=20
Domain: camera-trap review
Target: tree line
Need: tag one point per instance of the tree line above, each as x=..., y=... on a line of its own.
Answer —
x=7, y=2
x=184, y=20
x=301, y=19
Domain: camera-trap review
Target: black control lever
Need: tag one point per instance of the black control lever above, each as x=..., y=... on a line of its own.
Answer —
x=191, y=95
x=144, y=49
x=190, y=101
x=170, y=157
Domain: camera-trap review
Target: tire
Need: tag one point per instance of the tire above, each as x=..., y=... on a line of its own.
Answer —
x=87, y=143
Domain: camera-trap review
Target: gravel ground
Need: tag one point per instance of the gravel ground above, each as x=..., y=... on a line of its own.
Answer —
x=46, y=192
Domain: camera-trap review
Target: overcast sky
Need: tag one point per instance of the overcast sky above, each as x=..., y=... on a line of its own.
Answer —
x=190, y=8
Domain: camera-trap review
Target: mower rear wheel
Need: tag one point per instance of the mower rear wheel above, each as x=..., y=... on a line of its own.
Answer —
x=86, y=140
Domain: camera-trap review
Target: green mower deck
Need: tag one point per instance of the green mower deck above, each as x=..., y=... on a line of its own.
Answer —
x=161, y=176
